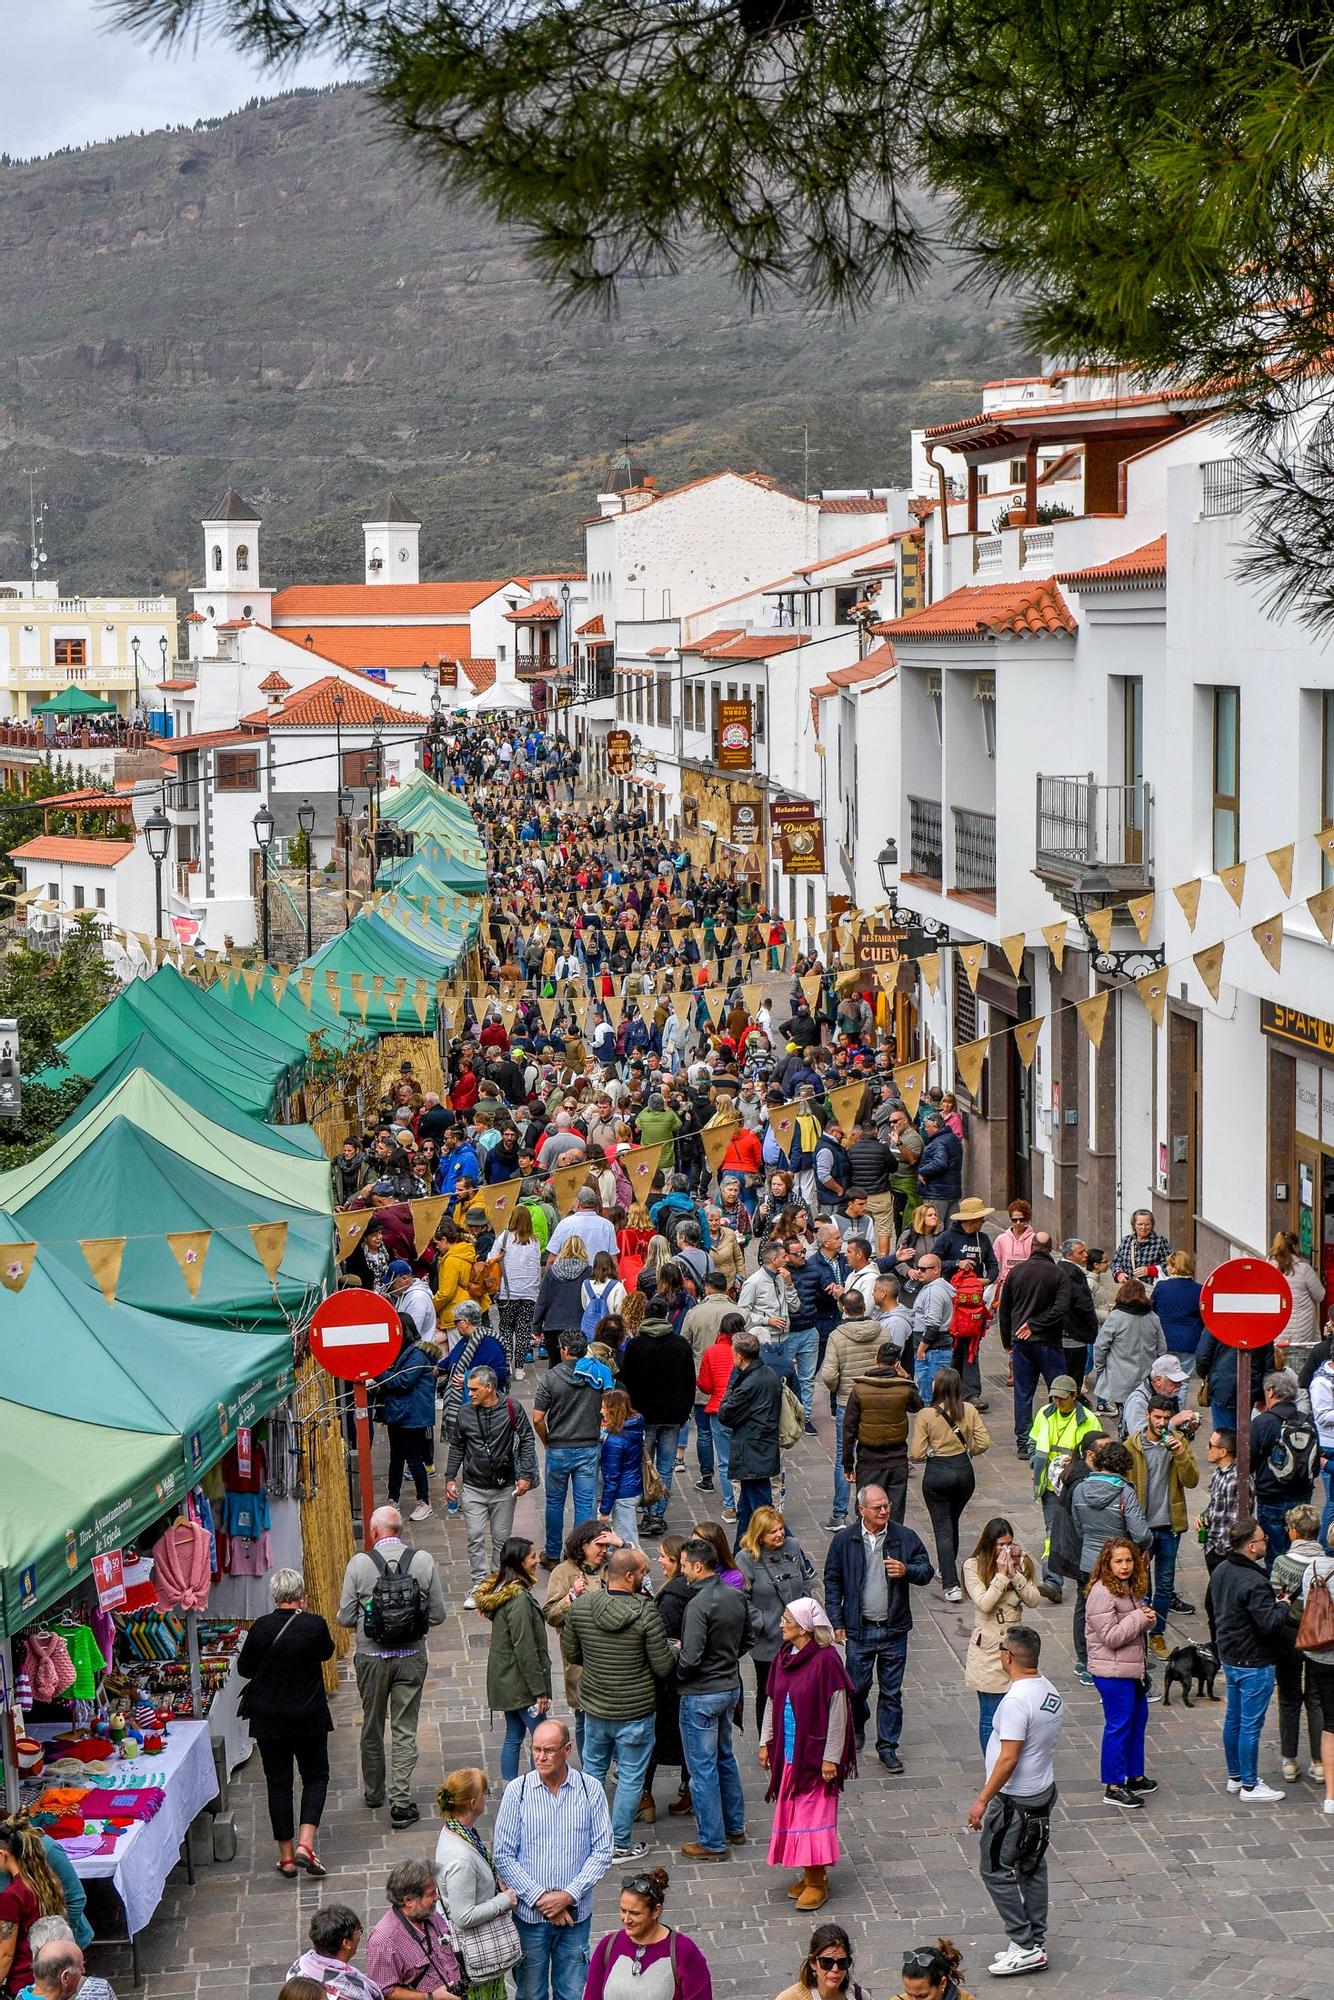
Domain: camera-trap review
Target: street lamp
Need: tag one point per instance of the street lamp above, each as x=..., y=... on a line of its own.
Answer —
x=157, y=833
x=377, y=746
x=887, y=861
x=164, y=648
x=338, y=735
x=345, y=805
x=134, y=648
x=305, y=819
x=263, y=824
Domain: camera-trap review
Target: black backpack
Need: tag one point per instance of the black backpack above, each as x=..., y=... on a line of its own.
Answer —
x=398, y=1613
x=1294, y=1454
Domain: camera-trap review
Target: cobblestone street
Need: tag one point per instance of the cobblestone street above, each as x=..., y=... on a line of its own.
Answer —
x=1197, y=1892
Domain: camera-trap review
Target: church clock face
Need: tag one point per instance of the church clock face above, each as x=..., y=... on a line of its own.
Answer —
x=402, y=555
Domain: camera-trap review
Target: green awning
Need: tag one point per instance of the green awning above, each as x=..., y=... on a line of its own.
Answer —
x=73, y=700
x=146, y=1052
x=253, y=1070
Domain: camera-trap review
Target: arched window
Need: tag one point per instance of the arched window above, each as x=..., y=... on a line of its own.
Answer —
x=217, y=555
x=242, y=556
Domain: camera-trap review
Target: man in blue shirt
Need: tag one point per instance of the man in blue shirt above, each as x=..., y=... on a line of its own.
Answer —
x=553, y=1828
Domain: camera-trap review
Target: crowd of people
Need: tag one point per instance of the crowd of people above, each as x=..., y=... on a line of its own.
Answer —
x=823, y=1259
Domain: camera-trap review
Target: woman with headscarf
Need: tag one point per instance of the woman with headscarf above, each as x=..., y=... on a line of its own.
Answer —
x=808, y=1748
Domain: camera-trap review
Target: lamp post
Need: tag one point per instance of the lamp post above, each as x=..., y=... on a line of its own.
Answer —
x=263, y=823
x=305, y=819
x=377, y=746
x=345, y=805
x=338, y=737
x=157, y=833
x=887, y=861
x=164, y=648
x=134, y=648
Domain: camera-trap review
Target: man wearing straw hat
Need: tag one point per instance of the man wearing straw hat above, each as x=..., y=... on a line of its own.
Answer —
x=965, y=1245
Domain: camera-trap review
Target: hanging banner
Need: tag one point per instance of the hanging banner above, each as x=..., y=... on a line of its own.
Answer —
x=620, y=757
x=800, y=835
x=186, y=929
x=109, y=1580
x=733, y=748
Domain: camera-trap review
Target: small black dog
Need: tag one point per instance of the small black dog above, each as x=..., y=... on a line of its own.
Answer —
x=1190, y=1663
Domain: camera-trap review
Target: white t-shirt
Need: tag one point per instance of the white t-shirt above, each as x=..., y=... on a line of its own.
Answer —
x=1031, y=1713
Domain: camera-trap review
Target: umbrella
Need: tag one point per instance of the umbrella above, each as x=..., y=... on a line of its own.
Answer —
x=74, y=701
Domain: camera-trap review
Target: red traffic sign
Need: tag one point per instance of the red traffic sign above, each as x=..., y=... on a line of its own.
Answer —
x=1246, y=1302
x=356, y=1335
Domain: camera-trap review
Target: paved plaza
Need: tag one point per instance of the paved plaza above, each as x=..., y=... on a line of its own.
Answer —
x=1196, y=1893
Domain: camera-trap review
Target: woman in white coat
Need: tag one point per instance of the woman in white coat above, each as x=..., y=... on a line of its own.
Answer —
x=470, y=1892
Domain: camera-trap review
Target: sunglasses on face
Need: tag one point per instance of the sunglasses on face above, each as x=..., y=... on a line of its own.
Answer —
x=828, y=1964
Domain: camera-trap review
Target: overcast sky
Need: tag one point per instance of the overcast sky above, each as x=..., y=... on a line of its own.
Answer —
x=69, y=79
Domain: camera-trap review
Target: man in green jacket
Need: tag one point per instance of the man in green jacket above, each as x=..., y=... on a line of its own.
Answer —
x=616, y=1635
x=1058, y=1431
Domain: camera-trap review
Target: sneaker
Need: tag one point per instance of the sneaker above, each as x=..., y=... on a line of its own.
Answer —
x=1291, y=1770
x=954, y=1595
x=810, y=1430
x=704, y=1484
x=729, y=1513
x=634, y=1850
x=1328, y=1807
x=1234, y=1784
x=1260, y=1794
x=1142, y=1785
x=1183, y=1605
x=422, y=1511
x=835, y=1522
x=1083, y=1676
x=1121, y=1795
x=470, y=1602
x=1018, y=1958
x=1316, y=1770
x=1152, y=1691
x=401, y=1816
x=518, y=1374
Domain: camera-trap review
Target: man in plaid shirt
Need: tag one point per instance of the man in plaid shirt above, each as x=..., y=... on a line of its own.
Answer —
x=1143, y=1252
x=1223, y=1505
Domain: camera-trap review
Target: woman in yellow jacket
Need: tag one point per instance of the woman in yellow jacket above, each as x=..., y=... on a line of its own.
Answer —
x=453, y=1271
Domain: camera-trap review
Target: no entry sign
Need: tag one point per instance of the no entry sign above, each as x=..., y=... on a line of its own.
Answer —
x=356, y=1335
x=1246, y=1303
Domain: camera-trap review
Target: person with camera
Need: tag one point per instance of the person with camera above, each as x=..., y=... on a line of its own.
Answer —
x=1162, y=1468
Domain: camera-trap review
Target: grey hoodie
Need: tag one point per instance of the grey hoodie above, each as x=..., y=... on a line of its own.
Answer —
x=1104, y=1505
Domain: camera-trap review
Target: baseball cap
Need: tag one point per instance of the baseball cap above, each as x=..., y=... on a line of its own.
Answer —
x=1169, y=1367
x=1065, y=1385
x=400, y=1268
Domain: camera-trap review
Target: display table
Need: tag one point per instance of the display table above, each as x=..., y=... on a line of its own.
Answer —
x=226, y=1725
x=145, y=1856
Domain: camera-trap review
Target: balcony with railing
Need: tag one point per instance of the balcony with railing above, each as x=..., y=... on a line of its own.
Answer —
x=974, y=853
x=926, y=852
x=1085, y=827
x=1222, y=487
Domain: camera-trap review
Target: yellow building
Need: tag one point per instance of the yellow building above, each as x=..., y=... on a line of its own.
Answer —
x=119, y=648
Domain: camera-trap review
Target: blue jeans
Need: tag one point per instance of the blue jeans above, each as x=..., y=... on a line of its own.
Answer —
x=1249, y=1692
x=631, y=1744
x=987, y=1704
x=566, y=1464
x=842, y=1490
x=722, y=1446
x=715, y=1783
x=704, y=1441
x=1270, y=1514
x=1125, y=1717
x=753, y=1493
x=1164, y=1553
x=925, y=1372
x=554, y=1965
x=1030, y=1360
x=519, y=1722
x=1327, y=1518
x=660, y=1444
x=883, y=1655
x=624, y=1518
x=794, y=1358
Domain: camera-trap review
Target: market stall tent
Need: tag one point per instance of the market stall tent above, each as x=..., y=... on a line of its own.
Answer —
x=74, y=700
x=206, y=1036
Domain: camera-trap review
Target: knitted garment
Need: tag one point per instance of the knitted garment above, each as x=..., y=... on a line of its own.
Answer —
x=88, y=1660
x=182, y=1570
x=141, y=1803
x=47, y=1662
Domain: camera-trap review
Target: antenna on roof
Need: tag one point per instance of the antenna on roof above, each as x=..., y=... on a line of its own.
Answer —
x=36, y=528
x=790, y=451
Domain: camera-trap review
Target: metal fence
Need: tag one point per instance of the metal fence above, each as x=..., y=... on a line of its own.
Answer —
x=974, y=852
x=1082, y=824
x=925, y=845
x=1222, y=487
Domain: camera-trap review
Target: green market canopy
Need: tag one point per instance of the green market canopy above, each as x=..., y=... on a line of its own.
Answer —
x=251, y=1067
x=147, y=1053
x=74, y=700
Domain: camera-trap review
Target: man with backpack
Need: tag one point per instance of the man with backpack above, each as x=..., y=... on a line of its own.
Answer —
x=391, y=1597
x=1285, y=1454
x=492, y=1445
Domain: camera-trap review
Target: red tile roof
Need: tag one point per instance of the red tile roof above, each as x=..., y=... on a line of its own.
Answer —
x=176, y=687
x=759, y=646
x=711, y=640
x=233, y=624
x=660, y=652
x=382, y=600
x=195, y=618
x=855, y=503
x=593, y=628
x=983, y=611
x=360, y=646
x=214, y=739
x=1076, y=411
x=880, y=660
x=89, y=796
x=482, y=673
x=274, y=684
x=65, y=847
x=832, y=562
x=1143, y=565
x=543, y=612
x=312, y=708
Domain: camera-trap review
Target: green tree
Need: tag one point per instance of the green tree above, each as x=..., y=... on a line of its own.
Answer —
x=50, y=994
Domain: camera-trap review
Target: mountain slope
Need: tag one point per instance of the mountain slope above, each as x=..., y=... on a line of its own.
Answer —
x=279, y=301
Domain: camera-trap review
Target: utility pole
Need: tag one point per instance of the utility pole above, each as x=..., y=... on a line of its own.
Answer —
x=36, y=528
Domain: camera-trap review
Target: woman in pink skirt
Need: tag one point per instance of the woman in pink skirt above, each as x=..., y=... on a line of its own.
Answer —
x=808, y=1748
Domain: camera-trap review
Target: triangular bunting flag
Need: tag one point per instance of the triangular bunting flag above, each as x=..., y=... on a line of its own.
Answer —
x=681, y=1005
x=1141, y=915
x=1026, y=1038
x=1053, y=936
x=190, y=1247
x=970, y=957
x=752, y=998
x=783, y=1123
x=547, y=1009
x=1188, y=895
x=968, y=1060
x=270, y=1240
x=1092, y=1014
x=566, y=1183
x=104, y=1254
x=1321, y=906
x=351, y=1228
x=1100, y=923
x=421, y=1005
x=1324, y=840
x=377, y=988
x=16, y=1265
x=845, y=1103
x=252, y=974
x=641, y=1163
x=910, y=1082
x=1269, y=937
x=810, y=983
x=929, y=967
x=1209, y=965
x=305, y=986
x=1013, y=947
x=427, y=1212
x=278, y=986
x=1280, y=860
x=1152, y=990
x=1234, y=881
x=716, y=1137
x=498, y=1199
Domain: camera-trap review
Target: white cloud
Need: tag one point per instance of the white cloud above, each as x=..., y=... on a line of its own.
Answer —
x=71, y=79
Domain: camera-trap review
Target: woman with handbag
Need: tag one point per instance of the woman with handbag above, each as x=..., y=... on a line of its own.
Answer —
x=1315, y=1639
x=477, y=1905
x=948, y=1435
x=288, y=1711
x=645, y=1959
